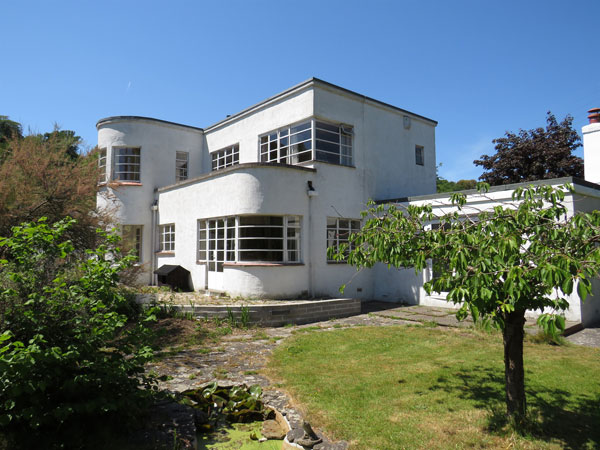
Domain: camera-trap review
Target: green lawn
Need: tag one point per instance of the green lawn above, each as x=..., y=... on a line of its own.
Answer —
x=419, y=387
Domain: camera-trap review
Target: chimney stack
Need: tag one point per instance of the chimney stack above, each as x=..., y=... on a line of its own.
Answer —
x=591, y=146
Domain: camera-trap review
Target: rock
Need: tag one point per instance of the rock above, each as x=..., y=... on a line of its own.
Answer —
x=272, y=430
x=295, y=433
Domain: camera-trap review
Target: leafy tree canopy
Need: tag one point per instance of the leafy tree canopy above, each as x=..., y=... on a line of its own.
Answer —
x=496, y=263
x=535, y=154
x=45, y=176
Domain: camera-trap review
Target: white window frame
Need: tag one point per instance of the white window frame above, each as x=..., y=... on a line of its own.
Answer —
x=128, y=170
x=419, y=155
x=225, y=157
x=166, y=234
x=338, y=232
x=310, y=139
x=181, y=166
x=222, y=240
x=102, y=158
x=132, y=236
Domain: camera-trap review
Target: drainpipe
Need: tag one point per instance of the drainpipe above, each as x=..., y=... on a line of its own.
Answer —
x=310, y=192
x=154, y=209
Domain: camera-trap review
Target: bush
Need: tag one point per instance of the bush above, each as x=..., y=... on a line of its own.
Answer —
x=70, y=358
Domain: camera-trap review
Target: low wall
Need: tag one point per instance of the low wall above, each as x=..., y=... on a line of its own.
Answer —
x=275, y=314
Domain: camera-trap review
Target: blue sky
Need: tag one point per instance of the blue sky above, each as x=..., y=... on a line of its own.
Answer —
x=479, y=68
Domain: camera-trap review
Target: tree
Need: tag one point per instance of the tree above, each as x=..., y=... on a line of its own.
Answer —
x=72, y=351
x=40, y=177
x=443, y=185
x=9, y=130
x=535, y=154
x=496, y=263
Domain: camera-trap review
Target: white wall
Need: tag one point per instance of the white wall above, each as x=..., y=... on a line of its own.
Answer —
x=158, y=142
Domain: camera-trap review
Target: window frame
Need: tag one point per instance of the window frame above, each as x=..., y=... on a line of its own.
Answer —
x=419, y=155
x=181, y=170
x=334, y=234
x=319, y=138
x=166, y=238
x=132, y=234
x=227, y=239
x=136, y=174
x=102, y=161
x=225, y=157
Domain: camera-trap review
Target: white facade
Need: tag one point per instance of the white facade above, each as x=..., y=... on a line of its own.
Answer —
x=328, y=180
x=250, y=204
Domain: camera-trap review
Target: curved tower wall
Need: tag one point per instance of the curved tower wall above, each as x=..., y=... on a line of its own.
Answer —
x=130, y=202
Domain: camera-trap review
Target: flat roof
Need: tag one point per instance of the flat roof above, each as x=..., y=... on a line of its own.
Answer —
x=310, y=81
x=503, y=187
x=127, y=118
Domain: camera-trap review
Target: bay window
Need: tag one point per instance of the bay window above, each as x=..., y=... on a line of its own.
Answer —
x=311, y=140
x=260, y=239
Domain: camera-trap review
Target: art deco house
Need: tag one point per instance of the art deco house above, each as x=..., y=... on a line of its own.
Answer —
x=250, y=204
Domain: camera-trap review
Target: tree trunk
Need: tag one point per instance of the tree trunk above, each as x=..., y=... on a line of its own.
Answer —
x=513, y=364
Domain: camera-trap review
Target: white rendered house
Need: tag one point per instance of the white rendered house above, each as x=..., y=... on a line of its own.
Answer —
x=250, y=204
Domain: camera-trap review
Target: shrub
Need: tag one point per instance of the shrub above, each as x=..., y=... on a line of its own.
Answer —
x=70, y=358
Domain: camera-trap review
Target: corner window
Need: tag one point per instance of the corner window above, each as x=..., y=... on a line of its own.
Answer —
x=338, y=232
x=226, y=157
x=419, y=155
x=312, y=140
x=167, y=238
x=131, y=236
x=102, y=165
x=181, y=166
x=273, y=239
x=127, y=164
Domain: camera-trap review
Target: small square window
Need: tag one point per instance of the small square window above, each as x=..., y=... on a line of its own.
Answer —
x=419, y=155
x=167, y=238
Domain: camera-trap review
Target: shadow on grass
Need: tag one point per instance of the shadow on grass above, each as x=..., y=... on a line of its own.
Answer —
x=553, y=413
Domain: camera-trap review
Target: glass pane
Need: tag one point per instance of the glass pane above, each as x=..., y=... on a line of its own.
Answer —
x=326, y=135
x=300, y=127
x=328, y=157
x=327, y=126
x=327, y=146
x=261, y=220
x=304, y=136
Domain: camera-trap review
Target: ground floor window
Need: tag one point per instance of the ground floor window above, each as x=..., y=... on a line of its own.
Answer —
x=167, y=238
x=131, y=236
x=274, y=239
x=338, y=232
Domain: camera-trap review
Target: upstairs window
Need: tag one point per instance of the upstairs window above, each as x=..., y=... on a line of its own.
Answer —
x=127, y=164
x=181, y=166
x=333, y=143
x=167, y=238
x=419, y=155
x=338, y=232
x=290, y=145
x=312, y=140
x=226, y=157
x=102, y=165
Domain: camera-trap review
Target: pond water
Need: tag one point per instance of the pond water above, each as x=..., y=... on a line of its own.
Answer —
x=236, y=436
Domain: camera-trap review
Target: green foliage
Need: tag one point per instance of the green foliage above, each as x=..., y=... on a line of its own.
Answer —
x=526, y=255
x=495, y=262
x=235, y=403
x=69, y=353
x=537, y=154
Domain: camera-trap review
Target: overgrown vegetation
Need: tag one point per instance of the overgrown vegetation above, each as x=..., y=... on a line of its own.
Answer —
x=72, y=346
x=438, y=388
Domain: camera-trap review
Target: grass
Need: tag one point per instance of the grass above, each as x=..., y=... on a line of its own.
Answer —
x=420, y=387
